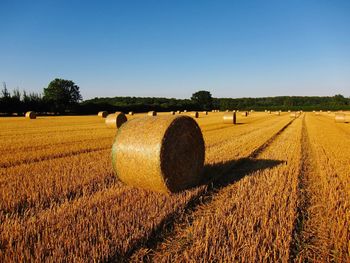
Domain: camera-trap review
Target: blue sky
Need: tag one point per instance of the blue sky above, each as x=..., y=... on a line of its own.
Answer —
x=173, y=48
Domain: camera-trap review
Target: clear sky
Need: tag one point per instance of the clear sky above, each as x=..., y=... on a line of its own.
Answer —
x=173, y=48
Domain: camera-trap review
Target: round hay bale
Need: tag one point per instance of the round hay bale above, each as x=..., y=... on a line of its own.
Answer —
x=168, y=158
x=178, y=112
x=102, y=114
x=152, y=113
x=205, y=112
x=341, y=118
x=195, y=114
x=172, y=113
x=229, y=118
x=30, y=115
x=245, y=114
x=131, y=113
x=185, y=110
x=115, y=120
x=293, y=115
x=277, y=113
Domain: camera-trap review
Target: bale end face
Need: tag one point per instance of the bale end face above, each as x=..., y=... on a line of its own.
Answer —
x=195, y=114
x=152, y=113
x=168, y=158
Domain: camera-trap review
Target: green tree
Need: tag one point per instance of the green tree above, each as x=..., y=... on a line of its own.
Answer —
x=61, y=95
x=203, y=99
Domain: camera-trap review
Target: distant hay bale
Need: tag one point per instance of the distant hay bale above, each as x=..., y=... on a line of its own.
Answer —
x=172, y=113
x=195, y=114
x=277, y=113
x=178, y=112
x=245, y=113
x=185, y=110
x=30, y=115
x=226, y=110
x=294, y=115
x=229, y=118
x=102, y=114
x=131, y=113
x=115, y=120
x=152, y=113
x=341, y=118
x=205, y=112
x=168, y=158
x=288, y=110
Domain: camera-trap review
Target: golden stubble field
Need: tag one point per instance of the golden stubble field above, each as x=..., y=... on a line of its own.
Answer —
x=279, y=191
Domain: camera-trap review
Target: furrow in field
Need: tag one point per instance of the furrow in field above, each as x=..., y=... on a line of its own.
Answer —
x=108, y=224
x=325, y=235
x=248, y=216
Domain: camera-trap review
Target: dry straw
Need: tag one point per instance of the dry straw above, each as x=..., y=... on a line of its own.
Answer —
x=30, y=115
x=152, y=113
x=229, y=118
x=102, y=114
x=195, y=114
x=115, y=120
x=168, y=158
x=341, y=118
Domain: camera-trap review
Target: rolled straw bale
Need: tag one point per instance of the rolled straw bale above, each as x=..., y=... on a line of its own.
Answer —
x=30, y=115
x=245, y=113
x=131, y=113
x=169, y=157
x=185, y=110
x=102, y=114
x=226, y=110
x=293, y=115
x=205, y=112
x=229, y=118
x=115, y=120
x=341, y=118
x=269, y=112
x=195, y=114
x=212, y=110
x=178, y=112
x=172, y=113
x=152, y=113
x=277, y=113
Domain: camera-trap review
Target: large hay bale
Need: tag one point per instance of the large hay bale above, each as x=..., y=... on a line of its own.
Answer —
x=229, y=118
x=172, y=113
x=178, y=112
x=115, y=120
x=131, y=113
x=169, y=157
x=341, y=118
x=102, y=114
x=30, y=115
x=277, y=113
x=152, y=113
x=245, y=114
x=195, y=114
x=205, y=112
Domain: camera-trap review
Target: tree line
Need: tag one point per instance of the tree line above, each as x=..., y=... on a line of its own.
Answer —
x=63, y=97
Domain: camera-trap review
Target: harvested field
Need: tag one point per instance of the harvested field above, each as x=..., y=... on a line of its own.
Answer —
x=277, y=189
